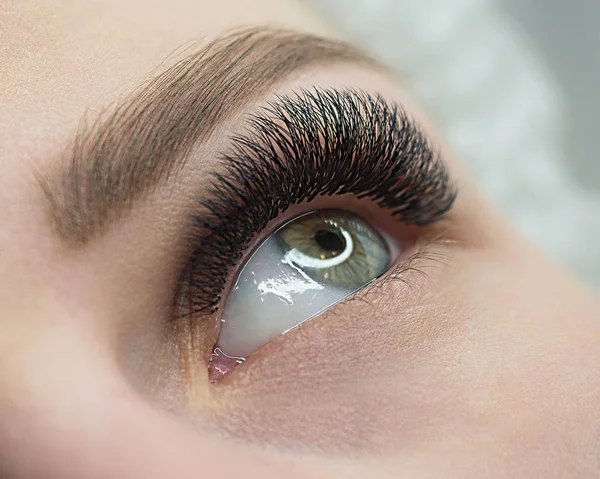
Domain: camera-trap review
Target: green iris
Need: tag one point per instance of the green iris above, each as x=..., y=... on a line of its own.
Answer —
x=335, y=247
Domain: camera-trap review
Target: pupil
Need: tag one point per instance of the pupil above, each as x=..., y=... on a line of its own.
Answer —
x=330, y=241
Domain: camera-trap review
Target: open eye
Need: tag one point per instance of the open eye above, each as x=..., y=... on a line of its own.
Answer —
x=306, y=266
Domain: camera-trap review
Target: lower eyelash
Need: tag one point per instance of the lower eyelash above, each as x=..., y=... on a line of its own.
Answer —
x=316, y=143
x=407, y=271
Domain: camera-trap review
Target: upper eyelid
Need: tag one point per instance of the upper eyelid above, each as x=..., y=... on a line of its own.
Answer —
x=148, y=137
x=272, y=166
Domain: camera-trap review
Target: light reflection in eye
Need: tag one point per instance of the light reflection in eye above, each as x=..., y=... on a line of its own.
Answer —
x=306, y=266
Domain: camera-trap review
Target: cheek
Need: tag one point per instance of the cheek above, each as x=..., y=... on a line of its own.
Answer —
x=95, y=426
x=473, y=368
x=366, y=376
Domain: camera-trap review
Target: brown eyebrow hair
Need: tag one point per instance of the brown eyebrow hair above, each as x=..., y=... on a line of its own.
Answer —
x=149, y=135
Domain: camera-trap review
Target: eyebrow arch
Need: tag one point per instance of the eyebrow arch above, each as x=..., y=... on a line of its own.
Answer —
x=148, y=136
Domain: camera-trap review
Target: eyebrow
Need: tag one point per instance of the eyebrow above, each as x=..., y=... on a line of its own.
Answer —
x=148, y=137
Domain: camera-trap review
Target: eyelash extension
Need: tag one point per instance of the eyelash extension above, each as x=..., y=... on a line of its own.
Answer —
x=317, y=142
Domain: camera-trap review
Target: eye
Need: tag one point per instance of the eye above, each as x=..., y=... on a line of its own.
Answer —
x=303, y=268
x=332, y=148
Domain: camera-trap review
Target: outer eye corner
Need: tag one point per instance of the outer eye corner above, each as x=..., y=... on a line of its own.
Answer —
x=306, y=266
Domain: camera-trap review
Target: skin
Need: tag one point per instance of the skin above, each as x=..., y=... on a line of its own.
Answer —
x=486, y=366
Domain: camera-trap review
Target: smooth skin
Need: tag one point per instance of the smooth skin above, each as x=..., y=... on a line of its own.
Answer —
x=487, y=366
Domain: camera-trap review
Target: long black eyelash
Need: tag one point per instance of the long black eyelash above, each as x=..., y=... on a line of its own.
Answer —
x=314, y=143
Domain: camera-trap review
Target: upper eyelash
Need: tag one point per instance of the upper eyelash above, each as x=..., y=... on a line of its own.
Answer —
x=314, y=143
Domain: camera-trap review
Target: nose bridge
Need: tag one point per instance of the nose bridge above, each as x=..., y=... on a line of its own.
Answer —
x=57, y=425
x=68, y=425
x=66, y=409
x=62, y=413
x=51, y=376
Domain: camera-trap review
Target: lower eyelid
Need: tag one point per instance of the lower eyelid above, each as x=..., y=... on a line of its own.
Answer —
x=411, y=270
x=408, y=268
x=404, y=267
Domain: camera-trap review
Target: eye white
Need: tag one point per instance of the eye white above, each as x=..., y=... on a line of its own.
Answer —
x=308, y=265
x=271, y=296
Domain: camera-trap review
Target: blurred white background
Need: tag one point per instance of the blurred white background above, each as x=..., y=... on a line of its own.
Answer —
x=514, y=85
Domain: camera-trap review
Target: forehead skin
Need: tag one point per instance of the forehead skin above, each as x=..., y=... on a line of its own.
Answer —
x=511, y=391
x=61, y=59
